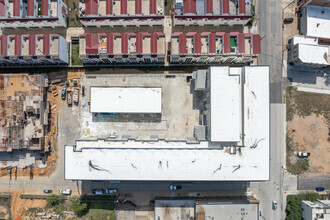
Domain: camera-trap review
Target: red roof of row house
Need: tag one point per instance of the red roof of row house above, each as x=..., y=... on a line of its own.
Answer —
x=2, y=8
x=16, y=4
x=92, y=42
x=189, y=6
x=32, y=43
x=123, y=7
x=91, y=7
x=152, y=7
x=44, y=7
x=30, y=7
x=212, y=41
x=18, y=45
x=241, y=6
x=108, y=5
x=225, y=6
x=209, y=6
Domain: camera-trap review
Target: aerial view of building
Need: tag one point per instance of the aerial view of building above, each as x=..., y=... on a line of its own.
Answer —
x=212, y=12
x=164, y=109
x=32, y=13
x=121, y=12
x=33, y=50
x=24, y=112
x=217, y=47
x=126, y=48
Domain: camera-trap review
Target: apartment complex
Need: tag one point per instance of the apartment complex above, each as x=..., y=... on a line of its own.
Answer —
x=216, y=47
x=212, y=12
x=126, y=48
x=24, y=112
x=32, y=13
x=33, y=50
x=121, y=12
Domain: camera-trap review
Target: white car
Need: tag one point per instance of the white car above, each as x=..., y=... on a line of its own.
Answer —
x=65, y=191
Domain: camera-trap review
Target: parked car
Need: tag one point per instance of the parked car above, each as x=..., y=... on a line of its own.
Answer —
x=319, y=188
x=63, y=94
x=48, y=191
x=111, y=191
x=274, y=203
x=65, y=191
x=98, y=191
x=175, y=187
x=55, y=94
x=303, y=154
x=288, y=20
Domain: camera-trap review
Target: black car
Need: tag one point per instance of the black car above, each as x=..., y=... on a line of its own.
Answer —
x=48, y=191
x=63, y=94
x=288, y=20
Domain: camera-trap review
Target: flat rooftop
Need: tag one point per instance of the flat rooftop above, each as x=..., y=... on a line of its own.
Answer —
x=225, y=104
x=317, y=54
x=318, y=21
x=164, y=161
x=126, y=100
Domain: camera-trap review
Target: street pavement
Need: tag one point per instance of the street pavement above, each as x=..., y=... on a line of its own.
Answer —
x=269, y=19
x=310, y=183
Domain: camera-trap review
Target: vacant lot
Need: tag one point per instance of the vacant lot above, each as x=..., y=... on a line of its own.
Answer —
x=308, y=123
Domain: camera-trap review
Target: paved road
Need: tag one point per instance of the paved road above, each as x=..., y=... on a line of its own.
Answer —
x=270, y=29
x=272, y=190
x=310, y=183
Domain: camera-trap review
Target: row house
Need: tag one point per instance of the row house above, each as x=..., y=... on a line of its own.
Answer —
x=219, y=47
x=122, y=49
x=32, y=13
x=33, y=50
x=212, y=12
x=121, y=12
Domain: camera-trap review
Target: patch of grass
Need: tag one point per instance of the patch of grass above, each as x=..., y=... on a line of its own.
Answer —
x=168, y=6
x=293, y=208
x=76, y=61
x=305, y=103
x=73, y=16
x=95, y=214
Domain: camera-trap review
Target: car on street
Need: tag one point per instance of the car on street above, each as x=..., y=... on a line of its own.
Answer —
x=274, y=203
x=288, y=20
x=303, y=154
x=55, y=94
x=48, y=191
x=175, y=187
x=65, y=191
x=98, y=191
x=111, y=191
x=319, y=188
x=63, y=94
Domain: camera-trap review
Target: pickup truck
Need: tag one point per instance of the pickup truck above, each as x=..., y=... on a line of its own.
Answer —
x=303, y=154
x=65, y=191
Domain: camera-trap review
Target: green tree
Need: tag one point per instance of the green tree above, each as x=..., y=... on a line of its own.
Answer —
x=78, y=208
x=53, y=200
x=293, y=208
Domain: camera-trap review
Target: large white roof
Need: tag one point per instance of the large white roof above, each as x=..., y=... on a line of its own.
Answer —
x=318, y=21
x=225, y=104
x=177, y=160
x=164, y=161
x=314, y=54
x=126, y=100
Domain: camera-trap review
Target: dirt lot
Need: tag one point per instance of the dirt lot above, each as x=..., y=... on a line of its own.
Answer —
x=19, y=206
x=308, y=129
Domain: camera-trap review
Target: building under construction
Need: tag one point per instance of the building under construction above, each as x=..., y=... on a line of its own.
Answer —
x=23, y=112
